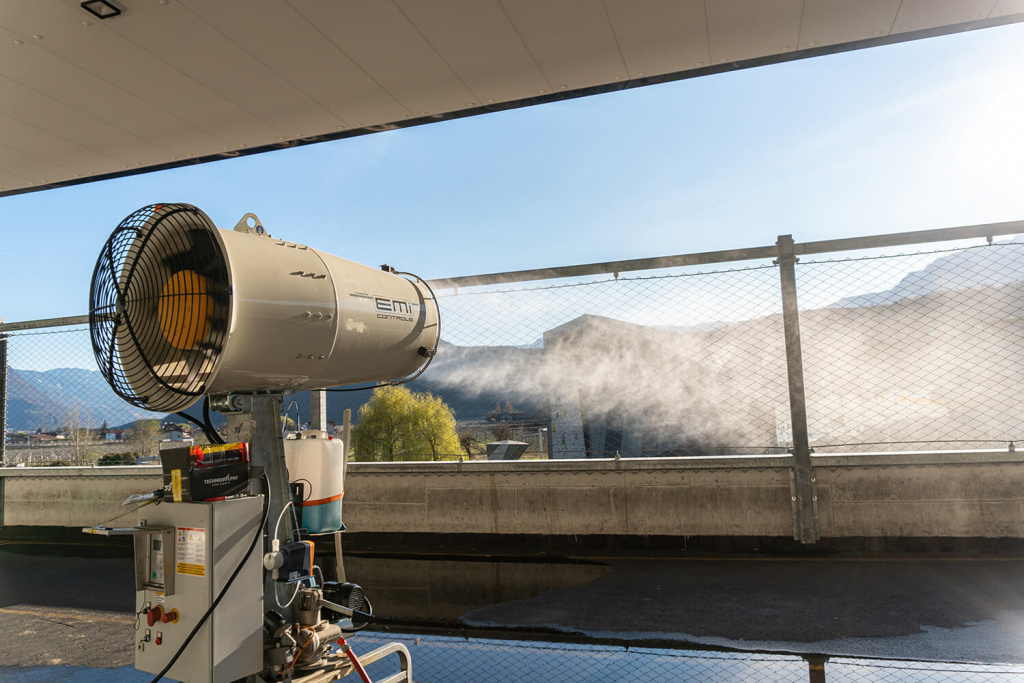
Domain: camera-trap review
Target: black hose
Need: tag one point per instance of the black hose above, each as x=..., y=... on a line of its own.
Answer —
x=208, y=429
x=197, y=423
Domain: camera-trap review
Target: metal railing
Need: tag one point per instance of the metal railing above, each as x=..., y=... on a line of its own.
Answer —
x=472, y=657
x=688, y=355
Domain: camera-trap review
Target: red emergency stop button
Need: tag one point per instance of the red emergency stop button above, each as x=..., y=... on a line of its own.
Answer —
x=170, y=617
x=154, y=615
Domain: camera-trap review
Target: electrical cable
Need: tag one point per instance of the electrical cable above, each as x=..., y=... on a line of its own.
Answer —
x=92, y=529
x=277, y=527
x=198, y=423
x=202, y=620
x=429, y=356
x=298, y=417
x=372, y=386
x=366, y=622
x=437, y=326
x=211, y=433
x=277, y=599
x=296, y=659
x=277, y=530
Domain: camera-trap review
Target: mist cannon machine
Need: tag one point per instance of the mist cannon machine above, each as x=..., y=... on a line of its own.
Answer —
x=181, y=310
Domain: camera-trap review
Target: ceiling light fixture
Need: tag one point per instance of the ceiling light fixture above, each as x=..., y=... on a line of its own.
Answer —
x=101, y=9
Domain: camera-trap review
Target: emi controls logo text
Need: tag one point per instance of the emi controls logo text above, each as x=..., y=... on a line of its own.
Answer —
x=394, y=309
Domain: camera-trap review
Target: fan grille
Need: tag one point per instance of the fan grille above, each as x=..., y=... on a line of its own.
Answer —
x=159, y=306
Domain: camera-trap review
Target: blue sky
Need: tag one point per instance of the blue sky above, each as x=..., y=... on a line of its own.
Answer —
x=913, y=136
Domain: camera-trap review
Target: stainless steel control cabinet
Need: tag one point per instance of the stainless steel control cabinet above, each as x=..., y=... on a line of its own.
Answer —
x=182, y=563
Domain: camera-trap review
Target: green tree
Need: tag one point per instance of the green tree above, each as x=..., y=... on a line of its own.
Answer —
x=398, y=424
x=433, y=426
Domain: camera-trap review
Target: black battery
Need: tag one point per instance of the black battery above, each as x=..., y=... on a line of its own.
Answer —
x=197, y=473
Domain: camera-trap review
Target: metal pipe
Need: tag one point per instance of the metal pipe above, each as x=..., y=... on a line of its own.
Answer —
x=731, y=255
x=46, y=322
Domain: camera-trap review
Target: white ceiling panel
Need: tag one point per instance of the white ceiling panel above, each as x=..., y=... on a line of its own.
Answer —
x=169, y=81
x=655, y=34
x=740, y=29
x=387, y=46
x=193, y=47
x=298, y=51
x=28, y=166
x=9, y=181
x=830, y=22
x=572, y=41
x=915, y=15
x=26, y=106
x=90, y=47
x=1007, y=7
x=31, y=65
x=28, y=139
x=478, y=41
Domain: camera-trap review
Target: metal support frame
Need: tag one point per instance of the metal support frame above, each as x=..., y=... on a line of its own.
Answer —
x=258, y=422
x=318, y=410
x=805, y=518
x=3, y=399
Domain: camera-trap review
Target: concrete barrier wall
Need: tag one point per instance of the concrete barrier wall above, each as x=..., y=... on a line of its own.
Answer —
x=626, y=497
x=71, y=496
x=977, y=494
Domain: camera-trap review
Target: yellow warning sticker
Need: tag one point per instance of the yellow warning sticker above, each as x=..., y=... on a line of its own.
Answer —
x=191, y=569
x=176, y=485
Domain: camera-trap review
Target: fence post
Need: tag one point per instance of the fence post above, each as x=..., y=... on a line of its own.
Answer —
x=805, y=518
x=346, y=437
x=816, y=668
x=3, y=399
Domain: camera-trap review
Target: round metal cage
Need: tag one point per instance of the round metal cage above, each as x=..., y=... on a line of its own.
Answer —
x=159, y=306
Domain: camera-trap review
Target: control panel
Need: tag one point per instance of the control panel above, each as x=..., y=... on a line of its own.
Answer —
x=182, y=563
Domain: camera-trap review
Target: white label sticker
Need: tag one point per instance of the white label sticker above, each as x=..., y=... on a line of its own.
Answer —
x=191, y=551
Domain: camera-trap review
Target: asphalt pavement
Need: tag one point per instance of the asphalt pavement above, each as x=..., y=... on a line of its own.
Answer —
x=67, y=610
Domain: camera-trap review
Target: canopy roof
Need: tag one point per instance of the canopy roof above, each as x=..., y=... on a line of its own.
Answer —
x=172, y=82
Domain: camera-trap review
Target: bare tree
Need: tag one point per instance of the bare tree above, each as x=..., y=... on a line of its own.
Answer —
x=144, y=437
x=79, y=438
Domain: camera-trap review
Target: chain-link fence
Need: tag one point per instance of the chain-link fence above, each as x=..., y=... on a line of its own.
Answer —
x=930, y=356
x=900, y=351
x=685, y=363
x=455, y=659
x=61, y=411
x=917, y=351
